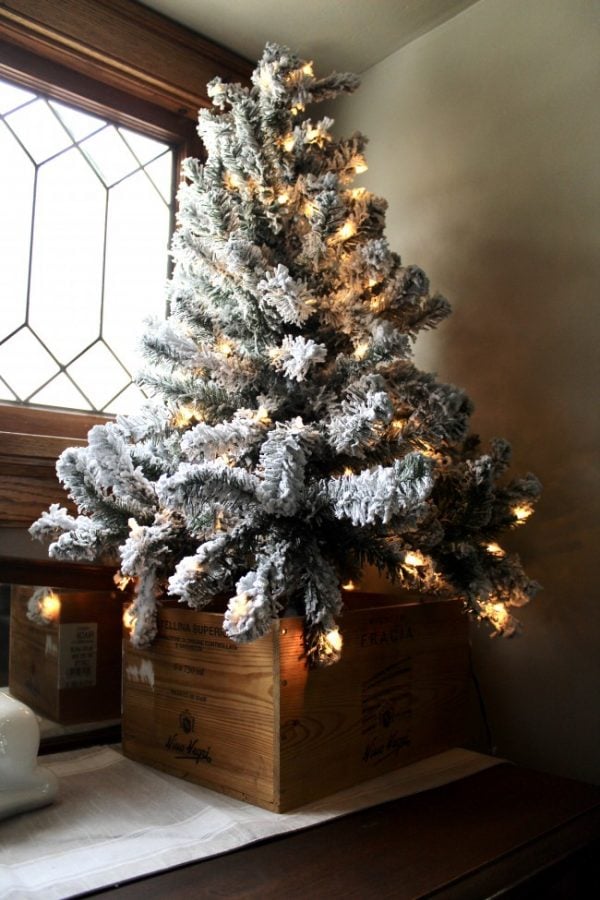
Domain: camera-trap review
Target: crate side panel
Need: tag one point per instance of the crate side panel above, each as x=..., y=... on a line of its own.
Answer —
x=33, y=658
x=100, y=699
x=90, y=666
x=198, y=706
x=398, y=694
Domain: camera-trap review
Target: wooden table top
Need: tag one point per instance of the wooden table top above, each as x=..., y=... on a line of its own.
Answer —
x=506, y=831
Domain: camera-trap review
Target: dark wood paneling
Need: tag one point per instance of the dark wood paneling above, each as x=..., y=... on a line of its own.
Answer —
x=123, y=44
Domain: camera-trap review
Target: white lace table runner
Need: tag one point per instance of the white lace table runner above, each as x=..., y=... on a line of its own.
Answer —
x=116, y=819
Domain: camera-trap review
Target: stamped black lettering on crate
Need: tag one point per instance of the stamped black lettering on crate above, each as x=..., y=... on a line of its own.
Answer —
x=254, y=722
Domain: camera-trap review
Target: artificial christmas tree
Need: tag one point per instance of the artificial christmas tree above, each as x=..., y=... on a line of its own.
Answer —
x=290, y=439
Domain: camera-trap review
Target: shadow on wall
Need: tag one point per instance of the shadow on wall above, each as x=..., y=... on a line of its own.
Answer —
x=522, y=343
x=484, y=139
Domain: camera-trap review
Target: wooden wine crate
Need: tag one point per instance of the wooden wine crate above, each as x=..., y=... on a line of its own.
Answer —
x=254, y=722
x=70, y=669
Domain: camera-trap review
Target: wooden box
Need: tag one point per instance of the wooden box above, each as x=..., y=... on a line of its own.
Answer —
x=254, y=722
x=68, y=670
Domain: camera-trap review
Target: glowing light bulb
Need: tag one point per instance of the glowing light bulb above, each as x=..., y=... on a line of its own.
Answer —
x=121, y=580
x=223, y=347
x=262, y=415
x=398, y=424
x=361, y=350
x=288, y=142
x=358, y=193
x=298, y=108
x=349, y=586
x=334, y=639
x=522, y=512
x=129, y=619
x=347, y=230
x=348, y=471
x=184, y=416
x=497, y=614
x=232, y=181
x=414, y=559
x=283, y=198
x=50, y=606
x=307, y=69
x=360, y=165
x=495, y=550
x=308, y=209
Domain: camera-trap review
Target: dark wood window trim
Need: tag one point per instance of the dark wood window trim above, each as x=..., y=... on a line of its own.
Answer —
x=119, y=59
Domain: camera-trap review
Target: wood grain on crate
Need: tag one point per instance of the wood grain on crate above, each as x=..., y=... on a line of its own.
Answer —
x=35, y=651
x=254, y=722
x=197, y=705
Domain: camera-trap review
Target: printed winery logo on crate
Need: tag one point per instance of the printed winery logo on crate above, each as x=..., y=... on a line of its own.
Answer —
x=383, y=631
x=186, y=745
x=387, y=708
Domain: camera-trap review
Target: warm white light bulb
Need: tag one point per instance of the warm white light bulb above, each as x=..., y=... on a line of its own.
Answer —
x=495, y=550
x=522, y=512
x=129, y=619
x=414, y=558
x=262, y=415
x=497, y=614
x=334, y=639
x=50, y=606
x=361, y=350
x=347, y=230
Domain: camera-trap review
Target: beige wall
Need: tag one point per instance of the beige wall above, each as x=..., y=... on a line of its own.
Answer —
x=485, y=139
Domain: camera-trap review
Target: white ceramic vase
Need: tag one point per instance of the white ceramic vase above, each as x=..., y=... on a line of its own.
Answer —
x=23, y=784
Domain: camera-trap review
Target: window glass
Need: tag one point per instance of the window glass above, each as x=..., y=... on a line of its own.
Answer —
x=84, y=233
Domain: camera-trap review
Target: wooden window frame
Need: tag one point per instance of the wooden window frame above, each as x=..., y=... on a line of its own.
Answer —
x=118, y=59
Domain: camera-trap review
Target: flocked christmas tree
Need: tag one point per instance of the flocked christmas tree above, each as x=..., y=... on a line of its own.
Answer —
x=289, y=439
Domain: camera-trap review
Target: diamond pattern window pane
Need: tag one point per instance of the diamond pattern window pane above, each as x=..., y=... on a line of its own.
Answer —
x=66, y=276
x=86, y=217
x=129, y=401
x=6, y=393
x=100, y=375
x=12, y=96
x=137, y=239
x=61, y=392
x=144, y=148
x=39, y=130
x=17, y=175
x=109, y=155
x=78, y=124
x=25, y=364
x=161, y=173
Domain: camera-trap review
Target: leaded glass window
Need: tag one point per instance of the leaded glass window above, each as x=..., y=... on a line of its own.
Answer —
x=86, y=209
